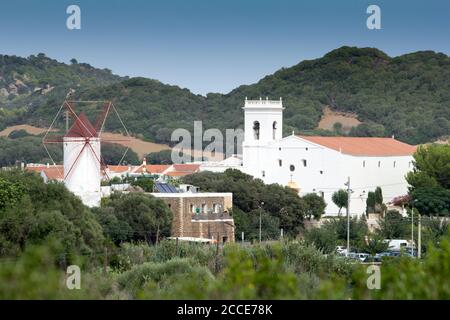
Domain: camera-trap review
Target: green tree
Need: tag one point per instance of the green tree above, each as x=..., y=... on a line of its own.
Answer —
x=371, y=202
x=160, y=157
x=375, y=244
x=144, y=217
x=431, y=167
x=146, y=183
x=340, y=199
x=315, y=206
x=432, y=200
x=393, y=225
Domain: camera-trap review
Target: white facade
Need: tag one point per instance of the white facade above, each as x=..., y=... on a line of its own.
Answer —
x=82, y=169
x=315, y=168
x=232, y=162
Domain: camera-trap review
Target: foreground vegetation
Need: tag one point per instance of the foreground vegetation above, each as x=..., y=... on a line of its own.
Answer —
x=122, y=252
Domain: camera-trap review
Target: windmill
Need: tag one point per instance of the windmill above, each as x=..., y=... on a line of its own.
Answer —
x=84, y=167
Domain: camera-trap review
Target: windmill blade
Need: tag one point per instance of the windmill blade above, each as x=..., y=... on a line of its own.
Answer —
x=100, y=161
x=100, y=122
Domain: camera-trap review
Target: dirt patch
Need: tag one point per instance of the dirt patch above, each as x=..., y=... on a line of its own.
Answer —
x=330, y=117
x=139, y=146
x=26, y=127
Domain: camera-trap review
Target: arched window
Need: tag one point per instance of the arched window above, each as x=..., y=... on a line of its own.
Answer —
x=274, y=130
x=256, y=130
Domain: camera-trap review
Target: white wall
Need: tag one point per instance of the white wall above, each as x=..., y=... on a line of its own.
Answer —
x=335, y=167
x=82, y=169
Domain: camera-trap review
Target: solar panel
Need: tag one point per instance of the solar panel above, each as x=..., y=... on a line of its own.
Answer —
x=165, y=188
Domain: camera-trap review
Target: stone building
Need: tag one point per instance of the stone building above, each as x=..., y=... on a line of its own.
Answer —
x=200, y=215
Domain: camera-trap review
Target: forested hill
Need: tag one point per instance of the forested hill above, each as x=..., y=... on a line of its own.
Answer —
x=38, y=84
x=407, y=96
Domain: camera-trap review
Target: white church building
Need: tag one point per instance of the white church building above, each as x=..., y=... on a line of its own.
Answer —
x=322, y=165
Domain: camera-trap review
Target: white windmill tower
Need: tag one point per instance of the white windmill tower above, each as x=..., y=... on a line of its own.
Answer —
x=82, y=164
x=84, y=168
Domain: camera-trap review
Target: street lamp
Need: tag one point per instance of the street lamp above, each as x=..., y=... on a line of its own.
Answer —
x=349, y=191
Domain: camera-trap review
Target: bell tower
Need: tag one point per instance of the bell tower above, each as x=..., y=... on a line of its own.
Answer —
x=263, y=124
x=263, y=121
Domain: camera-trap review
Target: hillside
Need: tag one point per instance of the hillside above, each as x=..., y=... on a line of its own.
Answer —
x=29, y=87
x=407, y=96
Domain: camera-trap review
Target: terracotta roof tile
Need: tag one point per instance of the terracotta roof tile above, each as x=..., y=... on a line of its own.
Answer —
x=364, y=146
x=157, y=168
x=118, y=168
x=178, y=174
x=186, y=167
x=54, y=173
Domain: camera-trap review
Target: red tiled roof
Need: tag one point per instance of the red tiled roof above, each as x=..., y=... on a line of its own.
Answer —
x=364, y=146
x=178, y=174
x=186, y=167
x=118, y=168
x=41, y=168
x=82, y=127
x=157, y=168
x=54, y=173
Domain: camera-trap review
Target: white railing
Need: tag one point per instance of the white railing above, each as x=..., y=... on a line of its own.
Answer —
x=264, y=102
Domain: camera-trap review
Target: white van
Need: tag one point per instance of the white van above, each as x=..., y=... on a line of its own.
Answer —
x=397, y=244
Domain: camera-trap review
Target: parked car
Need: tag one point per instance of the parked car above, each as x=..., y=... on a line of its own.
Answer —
x=358, y=256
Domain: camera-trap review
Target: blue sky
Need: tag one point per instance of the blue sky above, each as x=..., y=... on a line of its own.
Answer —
x=216, y=45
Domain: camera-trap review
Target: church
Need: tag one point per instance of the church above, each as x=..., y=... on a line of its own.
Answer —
x=322, y=165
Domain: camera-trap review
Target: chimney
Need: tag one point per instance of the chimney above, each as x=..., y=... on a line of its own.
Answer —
x=48, y=165
x=144, y=162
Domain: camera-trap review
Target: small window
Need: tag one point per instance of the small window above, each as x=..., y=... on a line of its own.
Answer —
x=364, y=163
x=274, y=130
x=280, y=162
x=170, y=206
x=192, y=208
x=263, y=173
x=204, y=208
x=304, y=162
x=379, y=164
x=292, y=167
x=321, y=172
x=279, y=149
x=322, y=194
x=216, y=208
x=306, y=149
x=256, y=130
x=394, y=164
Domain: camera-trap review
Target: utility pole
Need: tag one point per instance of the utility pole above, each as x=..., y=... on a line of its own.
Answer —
x=419, y=236
x=67, y=120
x=349, y=191
x=260, y=221
x=412, y=230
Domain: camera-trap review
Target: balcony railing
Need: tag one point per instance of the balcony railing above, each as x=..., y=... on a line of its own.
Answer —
x=211, y=216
